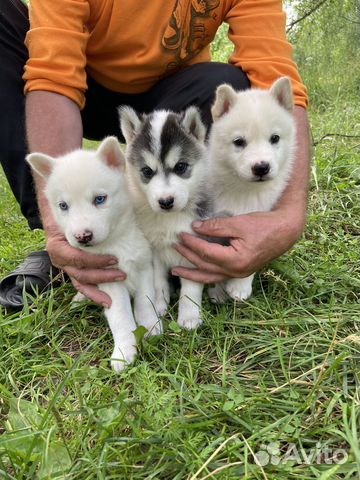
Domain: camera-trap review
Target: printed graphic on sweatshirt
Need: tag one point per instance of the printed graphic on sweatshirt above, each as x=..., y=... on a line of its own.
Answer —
x=186, y=34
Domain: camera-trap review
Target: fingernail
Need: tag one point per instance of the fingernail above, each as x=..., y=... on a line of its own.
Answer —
x=119, y=279
x=197, y=224
x=113, y=262
x=105, y=305
x=175, y=273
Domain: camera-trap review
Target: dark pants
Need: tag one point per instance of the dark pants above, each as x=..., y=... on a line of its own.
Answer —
x=195, y=85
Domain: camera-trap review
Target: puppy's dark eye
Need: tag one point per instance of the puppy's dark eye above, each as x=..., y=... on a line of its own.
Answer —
x=63, y=206
x=274, y=139
x=180, y=168
x=100, y=199
x=147, y=172
x=240, y=142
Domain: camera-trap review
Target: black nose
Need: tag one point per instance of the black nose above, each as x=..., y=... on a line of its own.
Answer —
x=260, y=169
x=84, y=237
x=166, y=203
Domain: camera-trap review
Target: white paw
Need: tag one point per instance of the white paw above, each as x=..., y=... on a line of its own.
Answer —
x=218, y=294
x=77, y=299
x=153, y=328
x=161, y=306
x=122, y=356
x=239, y=289
x=189, y=322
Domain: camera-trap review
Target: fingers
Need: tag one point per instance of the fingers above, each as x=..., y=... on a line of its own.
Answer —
x=93, y=276
x=64, y=254
x=196, y=260
x=214, y=262
x=93, y=293
x=211, y=253
x=86, y=270
x=198, y=275
x=218, y=227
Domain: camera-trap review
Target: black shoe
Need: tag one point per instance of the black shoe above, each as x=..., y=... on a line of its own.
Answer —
x=36, y=273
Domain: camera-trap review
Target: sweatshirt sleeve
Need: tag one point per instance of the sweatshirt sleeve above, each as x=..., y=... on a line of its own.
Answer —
x=57, y=42
x=257, y=28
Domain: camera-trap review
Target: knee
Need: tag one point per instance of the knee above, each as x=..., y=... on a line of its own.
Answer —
x=224, y=73
x=210, y=76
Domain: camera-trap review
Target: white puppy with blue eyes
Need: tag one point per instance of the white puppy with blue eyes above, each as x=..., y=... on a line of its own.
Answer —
x=251, y=151
x=89, y=199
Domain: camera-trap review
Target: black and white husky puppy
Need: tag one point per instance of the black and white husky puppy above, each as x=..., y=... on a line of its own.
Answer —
x=166, y=169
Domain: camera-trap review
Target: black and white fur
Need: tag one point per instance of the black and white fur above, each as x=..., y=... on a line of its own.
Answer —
x=251, y=150
x=90, y=202
x=167, y=177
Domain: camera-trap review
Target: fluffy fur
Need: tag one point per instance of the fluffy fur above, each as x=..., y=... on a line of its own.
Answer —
x=166, y=169
x=89, y=199
x=251, y=149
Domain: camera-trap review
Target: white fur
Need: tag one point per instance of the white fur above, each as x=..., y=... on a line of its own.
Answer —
x=160, y=227
x=253, y=115
x=77, y=179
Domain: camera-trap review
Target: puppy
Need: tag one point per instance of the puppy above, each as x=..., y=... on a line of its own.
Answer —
x=89, y=200
x=251, y=150
x=167, y=174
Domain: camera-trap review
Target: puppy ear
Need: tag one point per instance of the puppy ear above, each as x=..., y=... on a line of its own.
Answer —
x=224, y=100
x=110, y=153
x=282, y=91
x=41, y=163
x=193, y=124
x=129, y=123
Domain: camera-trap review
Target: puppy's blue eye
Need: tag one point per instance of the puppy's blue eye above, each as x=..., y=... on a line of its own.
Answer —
x=180, y=168
x=100, y=199
x=239, y=142
x=63, y=206
x=147, y=172
x=274, y=139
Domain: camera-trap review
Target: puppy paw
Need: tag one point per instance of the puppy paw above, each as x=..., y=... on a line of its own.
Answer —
x=239, y=289
x=153, y=329
x=77, y=299
x=161, y=306
x=122, y=356
x=189, y=322
x=218, y=294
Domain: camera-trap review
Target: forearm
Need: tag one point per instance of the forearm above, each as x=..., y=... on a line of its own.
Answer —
x=294, y=199
x=54, y=127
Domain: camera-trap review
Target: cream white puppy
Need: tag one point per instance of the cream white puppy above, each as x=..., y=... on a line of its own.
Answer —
x=251, y=151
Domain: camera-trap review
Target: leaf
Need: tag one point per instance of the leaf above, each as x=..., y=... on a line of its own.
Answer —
x=106, y=415
x=174, y=327
x=228, y=405
x=140, y=333
x=57, y=462
x=22, y=414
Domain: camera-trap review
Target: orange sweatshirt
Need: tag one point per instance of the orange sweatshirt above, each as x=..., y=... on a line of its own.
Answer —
x=128, y=45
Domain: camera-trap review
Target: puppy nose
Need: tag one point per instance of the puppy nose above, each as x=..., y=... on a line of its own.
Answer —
x=84, y=237
x=166, y=203
x=260, y=169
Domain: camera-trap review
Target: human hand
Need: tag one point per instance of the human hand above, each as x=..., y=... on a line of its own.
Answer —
x=255, y=239
x=85, y=270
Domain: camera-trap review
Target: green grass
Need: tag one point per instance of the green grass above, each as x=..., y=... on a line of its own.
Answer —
x=279, y=370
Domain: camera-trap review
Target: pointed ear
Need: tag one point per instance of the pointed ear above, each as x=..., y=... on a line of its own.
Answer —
x=110, y=153
x=193, y=124
x=41, y=163
x=129, y=123
x=282, y=91
x=225, y=99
